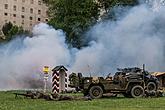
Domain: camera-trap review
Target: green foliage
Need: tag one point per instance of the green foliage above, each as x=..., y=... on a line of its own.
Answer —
x=8, y=102
x=6, y=28
x=75, y=17
x=10, y=31
x=109, y=4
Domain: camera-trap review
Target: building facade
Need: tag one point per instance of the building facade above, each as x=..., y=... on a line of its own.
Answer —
x=25, y=13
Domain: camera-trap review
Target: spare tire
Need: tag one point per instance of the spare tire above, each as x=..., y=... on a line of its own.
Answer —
x=96, y=92
x=137, y=91
x=151, y=86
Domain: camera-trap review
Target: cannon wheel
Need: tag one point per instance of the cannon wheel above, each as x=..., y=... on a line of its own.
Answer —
x=96, y=92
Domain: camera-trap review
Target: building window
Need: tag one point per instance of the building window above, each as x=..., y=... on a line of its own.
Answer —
x=30, y=24
x=23, y=9
x=5, y=14
x=23, y=1
x=14, y=15
x=22, y=22
x=31, y=18
x=31, y=10
x=39, y=2
x=39, y=12
x=14, y=8
x=15, y=0
x=6, y=6
x=22, y=16
x=31, y=1
x=39, y=19
x=46, y=20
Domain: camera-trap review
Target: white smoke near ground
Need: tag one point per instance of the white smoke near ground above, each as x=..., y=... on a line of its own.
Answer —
x=136, y=38
x=23, y=59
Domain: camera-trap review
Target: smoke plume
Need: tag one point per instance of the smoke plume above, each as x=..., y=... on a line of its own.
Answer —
x=135, y=38
x=23, y=58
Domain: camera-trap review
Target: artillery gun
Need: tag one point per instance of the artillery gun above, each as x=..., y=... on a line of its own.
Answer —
x=131, y=82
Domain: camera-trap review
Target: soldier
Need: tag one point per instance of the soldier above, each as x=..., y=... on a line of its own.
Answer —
x=57, y=97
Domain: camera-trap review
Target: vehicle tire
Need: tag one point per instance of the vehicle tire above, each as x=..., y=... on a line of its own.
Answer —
x=96, y=92
x=137, y=91
x=151, y=86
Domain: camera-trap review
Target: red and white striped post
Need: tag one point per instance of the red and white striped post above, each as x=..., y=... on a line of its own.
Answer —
x=66, y=82
x=59, y=79
x=55, y=82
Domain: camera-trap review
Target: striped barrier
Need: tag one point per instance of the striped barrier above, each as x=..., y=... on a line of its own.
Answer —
x=59, y=79
x=55, y=82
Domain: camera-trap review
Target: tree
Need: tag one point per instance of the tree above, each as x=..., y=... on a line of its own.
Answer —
x=6, y=27
x=106, y=4
x=74, y=17
x=10, y=31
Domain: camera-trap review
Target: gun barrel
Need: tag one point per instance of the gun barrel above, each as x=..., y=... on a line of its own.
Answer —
x=22, y=94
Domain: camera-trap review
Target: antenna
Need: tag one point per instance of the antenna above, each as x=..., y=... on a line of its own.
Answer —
x=89, y=71
x=143, y=70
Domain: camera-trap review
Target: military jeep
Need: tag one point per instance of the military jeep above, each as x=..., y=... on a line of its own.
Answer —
x=131, y=82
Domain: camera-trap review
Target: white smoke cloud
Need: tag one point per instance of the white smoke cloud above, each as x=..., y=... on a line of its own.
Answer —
x=136, y=38
x=25, y=58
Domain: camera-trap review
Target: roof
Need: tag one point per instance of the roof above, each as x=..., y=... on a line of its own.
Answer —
x=158, y=73
x=57, y=68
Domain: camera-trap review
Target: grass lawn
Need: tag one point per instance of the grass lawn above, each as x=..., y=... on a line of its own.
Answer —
x=8, y=102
